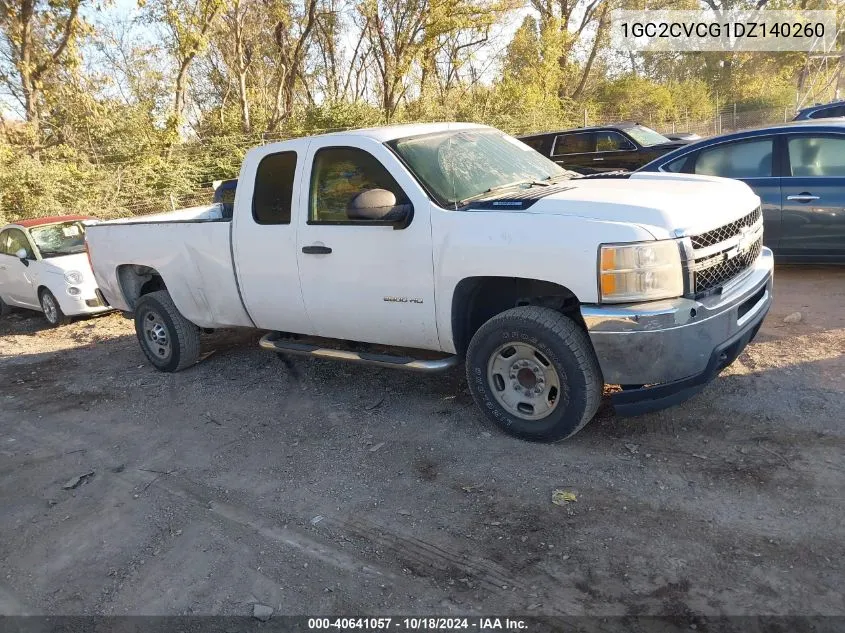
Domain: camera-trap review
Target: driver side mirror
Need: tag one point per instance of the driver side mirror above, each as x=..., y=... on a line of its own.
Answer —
x=379, y=205
x=23, y=256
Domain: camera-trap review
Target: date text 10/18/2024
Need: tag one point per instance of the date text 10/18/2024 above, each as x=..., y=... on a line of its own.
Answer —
x=418, y=624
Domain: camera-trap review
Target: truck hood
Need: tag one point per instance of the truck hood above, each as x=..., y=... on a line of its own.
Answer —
x=666, y=205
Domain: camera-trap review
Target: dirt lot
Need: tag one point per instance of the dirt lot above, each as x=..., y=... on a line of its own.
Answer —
x=208, y=486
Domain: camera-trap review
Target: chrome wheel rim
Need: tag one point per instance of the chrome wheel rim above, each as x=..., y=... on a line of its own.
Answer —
x=155, y=335
x=50, y=310
x=523, y=381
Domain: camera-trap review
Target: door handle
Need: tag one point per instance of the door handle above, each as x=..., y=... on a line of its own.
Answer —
x=316, y=250
x=599, y=158
x=803, y=197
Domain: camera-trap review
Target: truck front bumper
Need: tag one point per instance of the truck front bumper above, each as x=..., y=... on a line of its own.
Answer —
x=663, y=352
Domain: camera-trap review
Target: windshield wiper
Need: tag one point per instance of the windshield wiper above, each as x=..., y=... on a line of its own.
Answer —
x=568, y=174
x=495, y=189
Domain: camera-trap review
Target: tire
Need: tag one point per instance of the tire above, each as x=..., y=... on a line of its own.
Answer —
x=5, y=308
x=51, y=309
x=169, y=341
x=517, y=360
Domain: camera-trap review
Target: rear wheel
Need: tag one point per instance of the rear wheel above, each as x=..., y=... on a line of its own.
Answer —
x=168, y=340
x=5, y=308
x=52, y=311
x=533, y=372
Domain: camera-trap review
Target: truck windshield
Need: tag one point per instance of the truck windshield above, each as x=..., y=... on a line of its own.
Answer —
x=462, y=165
x=645, y=136
x=55, y=240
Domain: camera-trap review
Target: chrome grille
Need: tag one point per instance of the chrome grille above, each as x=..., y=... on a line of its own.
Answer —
x=715, y=276
x=721, y=254
x=726, y=232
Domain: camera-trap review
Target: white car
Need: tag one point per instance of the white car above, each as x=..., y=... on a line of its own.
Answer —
x=44, y=266
x=422, y=246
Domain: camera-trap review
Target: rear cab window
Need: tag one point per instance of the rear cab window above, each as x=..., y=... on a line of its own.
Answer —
x=273, y=196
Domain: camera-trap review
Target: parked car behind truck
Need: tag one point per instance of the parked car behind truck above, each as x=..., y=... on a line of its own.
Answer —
x=797, y=169
x=44, y=267
x=593, y=150
x=427, y=245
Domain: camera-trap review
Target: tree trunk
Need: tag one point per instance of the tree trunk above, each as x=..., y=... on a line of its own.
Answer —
x=179, y=93
x=243, y=100
x=241, y=64
x=579, y=90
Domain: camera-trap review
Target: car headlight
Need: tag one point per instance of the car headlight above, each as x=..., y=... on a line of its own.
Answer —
x=73, y=277
x=640, y=272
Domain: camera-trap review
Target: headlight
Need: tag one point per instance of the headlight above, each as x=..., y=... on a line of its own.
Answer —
x=73, y=277
x=640, y=272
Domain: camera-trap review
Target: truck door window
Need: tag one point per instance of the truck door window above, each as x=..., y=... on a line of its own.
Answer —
x=271, y=201
x=340, y=174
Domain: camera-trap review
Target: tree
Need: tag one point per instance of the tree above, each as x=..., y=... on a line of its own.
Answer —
x=36, y=37
x=235, y=21
x=187, y=25
x=292, y=35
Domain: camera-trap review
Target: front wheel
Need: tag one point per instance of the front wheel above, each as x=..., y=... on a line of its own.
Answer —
x=533, y=372
x=5, y=308
x=168, y=340
x=52, y=311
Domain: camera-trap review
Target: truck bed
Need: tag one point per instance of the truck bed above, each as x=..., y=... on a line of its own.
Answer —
x=191, y=247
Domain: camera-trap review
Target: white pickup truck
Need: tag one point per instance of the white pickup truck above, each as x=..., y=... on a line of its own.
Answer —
x=421, y=246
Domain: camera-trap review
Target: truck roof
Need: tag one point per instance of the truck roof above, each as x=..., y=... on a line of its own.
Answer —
x=392, y=132
x=381, y=134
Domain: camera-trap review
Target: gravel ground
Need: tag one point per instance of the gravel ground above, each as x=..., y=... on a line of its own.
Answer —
x=315, y=487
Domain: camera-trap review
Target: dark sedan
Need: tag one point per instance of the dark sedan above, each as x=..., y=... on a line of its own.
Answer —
x=797, y=169
x=591, y=150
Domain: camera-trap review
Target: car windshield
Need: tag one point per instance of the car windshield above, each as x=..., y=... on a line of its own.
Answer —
x=462, y=165
x=55, y=240
x=645, y=136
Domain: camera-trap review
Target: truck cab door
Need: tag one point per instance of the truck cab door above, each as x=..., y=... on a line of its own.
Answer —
x=264, y=237
x=365, y=280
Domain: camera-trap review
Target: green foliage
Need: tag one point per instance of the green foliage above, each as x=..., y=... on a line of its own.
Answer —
x=147, y=125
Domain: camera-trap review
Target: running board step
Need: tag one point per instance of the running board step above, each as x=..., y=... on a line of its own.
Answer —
x=274, y=341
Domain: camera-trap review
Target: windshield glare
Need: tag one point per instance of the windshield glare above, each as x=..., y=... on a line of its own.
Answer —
x=54, y=240
x=464, y=164
x=645, y=136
